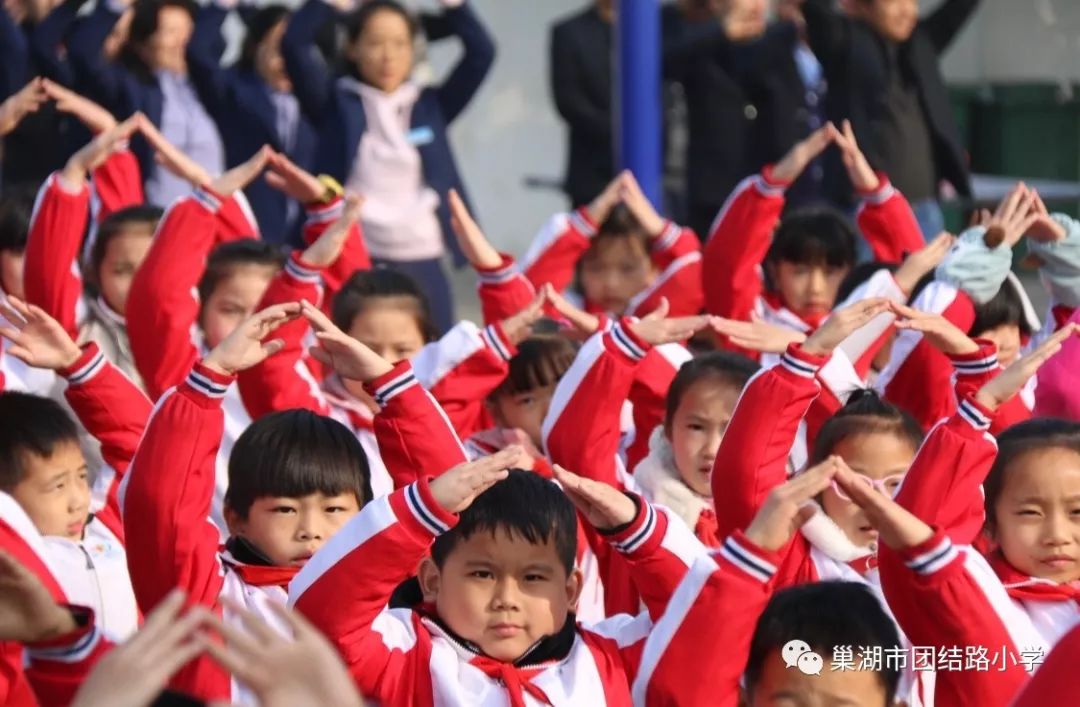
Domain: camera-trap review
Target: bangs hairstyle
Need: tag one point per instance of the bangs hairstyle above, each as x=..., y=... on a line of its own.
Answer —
x=824, y=615
x=1006, y=307
x=30, y=424
x=292, y=454
x=540, y=361
x=16, y=208
x=1023, y=438
x=117, y=223
x=620, y=224
x=814, y=236
x=722, y=368
x=258, y=26
x=864, y=413
x=372, y=288
x=526, y=506
x=227, y=257
x=144, y=23
x=357, y=21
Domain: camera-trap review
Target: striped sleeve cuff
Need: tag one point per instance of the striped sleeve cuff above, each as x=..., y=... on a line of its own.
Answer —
x=505, y=272
x=748, y=558
x=392, y=384
x=207, y=383
x=668, y=237
x=879, y=196
x=325, y=213
x=977, y=363
x=495, y=339
x=581, y=222
x=90, y=363
x=637, y=533
x=767, y=185
x=931, y=556
x=623, y=340
x=974, y=414
x=425, y=510
x=802, y=364
x=208, y=199
x=74, y=647
x=302, y=272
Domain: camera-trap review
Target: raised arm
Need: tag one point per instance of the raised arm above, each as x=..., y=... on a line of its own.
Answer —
x=204, y=53
x=47, y=42
x=306, y=67
x=104, y=80
x=465, y=78
x=947, y=21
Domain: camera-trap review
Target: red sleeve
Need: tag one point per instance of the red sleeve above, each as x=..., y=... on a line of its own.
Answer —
x=555, y=251
x=162, y=308
x=680, y=283
x=415, y=436
x=283, y=381
x=737, y=246
x=1057, y=676
x=581, y=431
x=233, y=220
x=648, y=395
x=674, y=242
x=118, y=184
x=354, y=255
x=114, y=411
x=170, y=540
x=717, y=604
x=59, y=667
x=975, y=370
x=753, y=454
x=945, y=597
x=51, y=269
x=504, y=290
x=887, y=222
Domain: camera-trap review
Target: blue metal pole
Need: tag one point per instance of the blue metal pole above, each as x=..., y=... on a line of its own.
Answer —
x=638, y=125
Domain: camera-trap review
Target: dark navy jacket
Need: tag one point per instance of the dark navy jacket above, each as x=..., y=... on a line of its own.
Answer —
x=339, y=113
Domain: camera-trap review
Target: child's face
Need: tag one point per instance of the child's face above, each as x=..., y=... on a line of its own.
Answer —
x=613, y=271
x=383, y=53
x=55, y=492
x=233, y=300
x=501, y=592
x=289, y=530
x=781, y=686
x=1037, y=515
x=167, y=46
x=893, y=19
x=878, y=456
x=390, y=331
x=696, y=429
x=524, y=411
x=123, y=255
x=1007, y=339
x=808, y=290
x=11, y=273
x=269, y=62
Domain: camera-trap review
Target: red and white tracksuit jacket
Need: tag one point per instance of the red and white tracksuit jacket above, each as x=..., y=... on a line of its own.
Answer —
x=17, y=377
x=163, y=307
x=1057, y=676
x=48, y=673
x=404, y=657
x=676, y=254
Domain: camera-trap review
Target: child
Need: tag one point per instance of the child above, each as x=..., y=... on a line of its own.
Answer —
x=46, y=473
x=294, y=479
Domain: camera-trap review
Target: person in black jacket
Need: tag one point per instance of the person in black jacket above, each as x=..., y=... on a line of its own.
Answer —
x=883, y=69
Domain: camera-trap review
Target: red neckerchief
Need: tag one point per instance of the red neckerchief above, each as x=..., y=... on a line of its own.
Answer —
x=1021, y=586
x=516, y=680
x=260, y=575
x=707, y=529
x=863, y=565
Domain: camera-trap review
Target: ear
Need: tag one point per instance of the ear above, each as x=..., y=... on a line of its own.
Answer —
x=574, y=582
x=235, y=523
x=430, y=578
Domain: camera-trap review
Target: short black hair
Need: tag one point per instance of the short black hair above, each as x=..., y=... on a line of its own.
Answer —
x=1028, y=436
x=357, y=21
x=225, y=258
x=16, y=208
x=864, y=413
x=824, y=615
x=540, y=361
x=723, y=367
x=365, y=287
x=259, y=25
x=115, y=224
x=523, y=504
x=144, y=23
x=30, y=423
x=814, y=236
x=295, y=453
x=1006, y=307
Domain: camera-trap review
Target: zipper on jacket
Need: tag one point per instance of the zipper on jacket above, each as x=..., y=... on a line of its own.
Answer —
x=99, y=618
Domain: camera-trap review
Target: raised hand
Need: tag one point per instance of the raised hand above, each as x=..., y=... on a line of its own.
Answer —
x=942, y=334
x=842, y=324
x=171, y=158
x=1012, y=219
x=1012, y=380
x=326, y=249
x=788, y=507
x=291, y=180
x=862, y=175
x=456, y=489
x=756, y=335
x=803, y=153
x=28, y=612
x=639, y=205
x=303, y=669
x=896, y=526
x=923, y=261
x=347, y=356
x=134, y=673
x=584, y=323
x=474, y=244
x=518, y=326
x=242, y=174
x=603, y=505
x=656, y=328
x=1044, y=229
x=94, y=153
x=96, y=119
x=602, y=205
x=20, y=104
x=37, y=339
x=245, y=347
